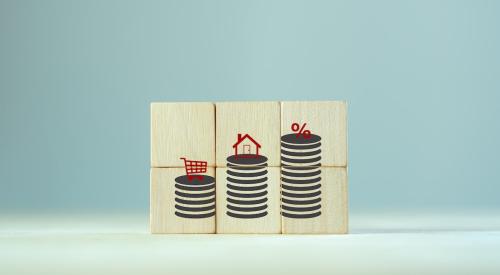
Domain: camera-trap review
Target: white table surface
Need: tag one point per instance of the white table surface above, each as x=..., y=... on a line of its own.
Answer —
x=404, y=243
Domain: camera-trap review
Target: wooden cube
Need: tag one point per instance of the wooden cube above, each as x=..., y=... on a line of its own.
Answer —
x=327, y=123
x=247, y=129
x=248, y=199
x=314, y=200
x=182, y=204
x=182, y=130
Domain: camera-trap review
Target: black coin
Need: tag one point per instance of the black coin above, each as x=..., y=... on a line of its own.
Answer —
x=246, y=216
x=247, y=181
x=301, y=202
x=246, y=202
x=300, y=175
x=301, y=188
x=244, y=175
x=195, y=188
x=247, y=209
x=247, y=188
x=194, y=202
x=300, y=216
x=194, y=216
x=247, y=195
x=195, y=209
x=300, y=139
x=300, y=153
x=191, y=195
x=194, y=181
x=300, y=181
x=301, y=195
x=248, y=160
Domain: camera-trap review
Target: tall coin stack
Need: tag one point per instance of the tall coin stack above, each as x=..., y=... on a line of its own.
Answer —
x=300, y=176
x=195, y=198
x=246, y=186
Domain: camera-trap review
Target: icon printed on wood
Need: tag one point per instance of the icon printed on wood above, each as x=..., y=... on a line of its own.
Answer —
x=194, y=192
x=258, y=124
x=174, y=209
x=327, y=119
x=301, y=174
x=249, y=167
x=246, y=180
x=333, y=217
x=248, y=147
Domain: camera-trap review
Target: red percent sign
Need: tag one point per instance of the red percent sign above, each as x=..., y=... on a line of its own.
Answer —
x=299, y=130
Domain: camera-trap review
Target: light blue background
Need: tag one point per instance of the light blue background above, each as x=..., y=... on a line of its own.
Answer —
x=422, y=79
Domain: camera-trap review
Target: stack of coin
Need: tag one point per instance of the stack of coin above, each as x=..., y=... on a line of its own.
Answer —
x=246, y=186
x=300, y=176
x=195, y=196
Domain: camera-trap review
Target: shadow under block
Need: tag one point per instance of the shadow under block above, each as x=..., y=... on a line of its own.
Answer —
x=261, y=120
x=327, y=121
x=248, y=200
x=314, y=201
x=182, y=130
x=179, y=205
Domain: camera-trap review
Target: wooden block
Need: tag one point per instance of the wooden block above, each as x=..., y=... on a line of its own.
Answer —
x=314, y=200
x=260, y=120
x=248, y=199
x=182, y=130
x=179, y=205
x=327, y=122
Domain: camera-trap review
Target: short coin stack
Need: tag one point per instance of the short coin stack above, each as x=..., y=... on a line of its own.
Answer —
x=301, y=176
x=195, y=197
x=247, y=186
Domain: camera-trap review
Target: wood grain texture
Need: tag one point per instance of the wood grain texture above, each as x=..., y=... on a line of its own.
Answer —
x=182, y=130
x=162, y=205
x=327, y=119
x=334, y=207
x=270, y=223
x=261, y=120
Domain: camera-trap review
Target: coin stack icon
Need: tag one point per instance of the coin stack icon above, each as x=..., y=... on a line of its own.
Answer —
x=300, y=176
x=195, y=197
x=247, y=186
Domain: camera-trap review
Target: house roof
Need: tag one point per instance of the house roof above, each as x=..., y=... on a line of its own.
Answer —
x=241, y=138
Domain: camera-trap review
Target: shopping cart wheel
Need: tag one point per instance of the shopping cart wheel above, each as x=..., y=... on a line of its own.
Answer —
x=190, y=178
x=200, y=177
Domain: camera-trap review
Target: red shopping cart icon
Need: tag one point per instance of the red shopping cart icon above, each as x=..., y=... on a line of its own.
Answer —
x=194, y=167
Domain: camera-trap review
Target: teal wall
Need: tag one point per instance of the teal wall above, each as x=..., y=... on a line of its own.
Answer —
x=422, y=79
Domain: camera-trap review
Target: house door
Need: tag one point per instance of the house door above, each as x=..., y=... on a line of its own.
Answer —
x=246, y=149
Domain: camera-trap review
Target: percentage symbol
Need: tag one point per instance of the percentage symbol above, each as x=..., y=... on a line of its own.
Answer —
x=299, y=130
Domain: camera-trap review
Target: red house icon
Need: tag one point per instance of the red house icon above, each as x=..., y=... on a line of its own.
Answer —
x=247, y=146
